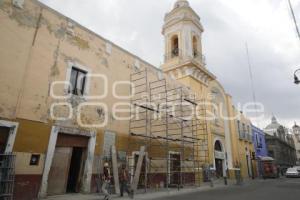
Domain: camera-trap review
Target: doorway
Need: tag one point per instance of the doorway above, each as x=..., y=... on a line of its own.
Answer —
x=249, y=166
x=4, y=134
x=66, y=172
x=175, y=169
x=219, y=159
x=219, y=168
x=76, y=165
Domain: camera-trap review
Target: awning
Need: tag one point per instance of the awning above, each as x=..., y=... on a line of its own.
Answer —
x=265, y=158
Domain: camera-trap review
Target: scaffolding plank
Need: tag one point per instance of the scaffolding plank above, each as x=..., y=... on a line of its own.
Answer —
x=115, y=169
x=137, y=173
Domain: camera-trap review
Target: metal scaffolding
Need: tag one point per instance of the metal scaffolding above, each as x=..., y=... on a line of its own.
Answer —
x=171, y=124
x=138, y=124
x=7, y=176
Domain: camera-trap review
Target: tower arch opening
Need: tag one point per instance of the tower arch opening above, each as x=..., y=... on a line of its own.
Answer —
x=195, y=46
x=174, y=46
x=218, y=146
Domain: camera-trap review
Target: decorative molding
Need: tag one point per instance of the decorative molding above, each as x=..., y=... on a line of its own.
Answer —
x=179, y=73
x=172, y=75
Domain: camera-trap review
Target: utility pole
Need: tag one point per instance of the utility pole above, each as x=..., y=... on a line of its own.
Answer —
x=296, y=79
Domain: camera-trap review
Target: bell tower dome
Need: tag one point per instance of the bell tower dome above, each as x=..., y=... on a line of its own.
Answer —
x=182, y=31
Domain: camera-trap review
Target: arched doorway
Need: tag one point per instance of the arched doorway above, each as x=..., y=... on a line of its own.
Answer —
x=219, y=158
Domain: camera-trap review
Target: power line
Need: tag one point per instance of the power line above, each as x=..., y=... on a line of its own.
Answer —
x=294, y=19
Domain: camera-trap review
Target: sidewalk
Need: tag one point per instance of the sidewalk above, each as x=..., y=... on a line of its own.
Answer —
x=150, y=194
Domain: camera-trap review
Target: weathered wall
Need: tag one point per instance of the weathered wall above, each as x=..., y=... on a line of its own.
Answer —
x=240, y=147
x=44, y=43
x=16, y=31
x=37, y=47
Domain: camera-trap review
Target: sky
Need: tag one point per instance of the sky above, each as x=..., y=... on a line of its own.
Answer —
x=266, y=27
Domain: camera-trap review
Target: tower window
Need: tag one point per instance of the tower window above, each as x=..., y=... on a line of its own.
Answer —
x=175, y=46
x=195, y=46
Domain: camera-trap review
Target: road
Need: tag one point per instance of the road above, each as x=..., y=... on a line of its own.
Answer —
x=270, y=189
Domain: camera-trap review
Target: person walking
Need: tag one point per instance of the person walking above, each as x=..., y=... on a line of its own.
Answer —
x=106, y=178
x=124, y=177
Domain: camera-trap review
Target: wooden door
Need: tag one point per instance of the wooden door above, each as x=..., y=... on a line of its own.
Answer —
x=59, y=171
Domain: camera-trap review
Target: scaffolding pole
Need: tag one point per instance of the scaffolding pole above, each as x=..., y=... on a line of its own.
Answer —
x=164, y=120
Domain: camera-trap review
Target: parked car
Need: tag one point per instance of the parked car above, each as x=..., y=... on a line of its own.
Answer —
x=298, y=167
x=293, y=172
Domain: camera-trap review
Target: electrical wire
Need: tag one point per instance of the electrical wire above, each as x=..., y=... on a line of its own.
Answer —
x=252, y=83
x=294, y=19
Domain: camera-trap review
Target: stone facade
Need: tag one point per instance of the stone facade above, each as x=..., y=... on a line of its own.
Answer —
x=296, y=137
x=280, y=145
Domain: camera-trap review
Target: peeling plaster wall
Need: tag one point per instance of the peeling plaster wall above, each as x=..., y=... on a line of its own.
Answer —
x=16, y=33
x=39, y=45
x=44, y=43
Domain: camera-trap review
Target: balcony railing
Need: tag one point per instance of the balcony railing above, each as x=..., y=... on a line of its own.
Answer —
x=178, y=53
x=198, y=56
x=245, y=136
x=259, y=146
x=175, y=53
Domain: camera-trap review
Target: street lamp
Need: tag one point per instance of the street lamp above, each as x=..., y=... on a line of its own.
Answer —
x=296, y=79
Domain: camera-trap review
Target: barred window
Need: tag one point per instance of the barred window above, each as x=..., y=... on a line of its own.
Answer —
x=77, y=81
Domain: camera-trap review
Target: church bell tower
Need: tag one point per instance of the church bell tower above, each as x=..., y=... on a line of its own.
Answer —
x=183, y=49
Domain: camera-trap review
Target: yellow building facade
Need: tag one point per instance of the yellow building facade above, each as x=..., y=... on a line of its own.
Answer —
x=45, y=122
x=242, y=142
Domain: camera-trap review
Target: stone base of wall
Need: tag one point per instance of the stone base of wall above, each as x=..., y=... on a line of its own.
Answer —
x=27, y=187
x=231, y=174
x=157, y=180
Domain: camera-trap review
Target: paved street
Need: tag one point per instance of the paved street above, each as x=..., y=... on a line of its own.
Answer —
x=273, y=189
x=270, y=189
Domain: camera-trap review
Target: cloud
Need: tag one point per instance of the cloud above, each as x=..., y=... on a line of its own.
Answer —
x=265, y=25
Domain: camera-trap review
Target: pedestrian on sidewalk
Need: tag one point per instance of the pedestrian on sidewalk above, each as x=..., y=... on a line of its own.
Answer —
x=124, y=177
x=106, y=178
